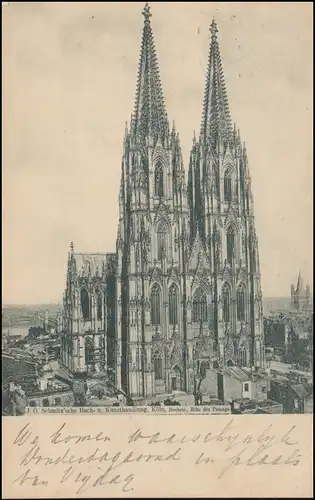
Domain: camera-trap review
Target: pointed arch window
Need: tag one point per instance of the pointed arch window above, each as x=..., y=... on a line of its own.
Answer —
x=85, y=304
x=227, y=186
x=159, y=181
x=254, y=260
x=158, y=368
x=99, y=308
x=199, y=309
x=70, y=346
x=242, y=356
x=173, y=305
x=226, y=303
x=217, y=181
x=156, y=305
x=88, y=351
x=230, y=244
x=161, y=241
x=240, y=303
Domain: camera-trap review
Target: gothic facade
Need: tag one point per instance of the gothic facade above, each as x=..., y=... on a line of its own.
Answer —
x=88, y=313
x=185, y=278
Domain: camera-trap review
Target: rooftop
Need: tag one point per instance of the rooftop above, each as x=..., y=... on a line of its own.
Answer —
x=242, y=374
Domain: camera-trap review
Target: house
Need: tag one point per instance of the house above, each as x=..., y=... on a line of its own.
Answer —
x=250, y=406
x=240, y=383
x=295, y=397
x=22, y=368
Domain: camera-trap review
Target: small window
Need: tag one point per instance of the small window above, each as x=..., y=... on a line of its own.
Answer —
x=226, y=303
x=99, y=305
x=263, y=389
x=155, y=306
x=227, y=186
x=159, y=181
x=230, y=244
x=199, y=310
x=246, y=387
x=173, y=317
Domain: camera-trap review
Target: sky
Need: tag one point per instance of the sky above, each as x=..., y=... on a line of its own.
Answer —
x=69, y=81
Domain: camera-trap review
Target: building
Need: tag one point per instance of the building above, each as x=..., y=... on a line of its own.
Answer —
x=301, y=297
x=88, y=329
x=250, y=406
x=187, y=277
x=233, y=382
x=296, y=397
x=19, y=367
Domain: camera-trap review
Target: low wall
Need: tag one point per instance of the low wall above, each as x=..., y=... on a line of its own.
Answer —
x=55, y=399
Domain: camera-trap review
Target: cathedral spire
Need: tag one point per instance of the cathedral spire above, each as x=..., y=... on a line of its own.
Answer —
x=299, y=285
x=216, y=122
x=150, y=119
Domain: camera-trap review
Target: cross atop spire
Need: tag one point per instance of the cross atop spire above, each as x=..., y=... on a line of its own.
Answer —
x=213, y=29
x=150, y=119
x=216, y=122
x=146, y=13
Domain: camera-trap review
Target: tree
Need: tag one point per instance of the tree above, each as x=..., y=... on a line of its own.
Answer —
x=293, y=346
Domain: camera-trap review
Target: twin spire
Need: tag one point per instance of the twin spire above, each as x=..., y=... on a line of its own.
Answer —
x=216, y=122
x=150, y=118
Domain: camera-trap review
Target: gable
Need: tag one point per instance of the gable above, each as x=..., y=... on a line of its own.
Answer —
x=162, y=212
x=198, y=260
x=156, y=275
x=173, y=275
x=228, y=159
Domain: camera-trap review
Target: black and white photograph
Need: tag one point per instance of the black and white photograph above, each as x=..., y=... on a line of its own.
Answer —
x=157, y=272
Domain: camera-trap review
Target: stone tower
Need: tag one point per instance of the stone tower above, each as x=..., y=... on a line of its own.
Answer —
x=300, y=296
x=225, y=267
x=153, y=215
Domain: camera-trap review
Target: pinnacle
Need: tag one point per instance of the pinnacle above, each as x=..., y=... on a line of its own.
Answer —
x=146, y=13
x=150, y=115
x=216, y=121
x=213, y=29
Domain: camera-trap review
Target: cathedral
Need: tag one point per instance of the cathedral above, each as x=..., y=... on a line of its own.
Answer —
x=182, y=292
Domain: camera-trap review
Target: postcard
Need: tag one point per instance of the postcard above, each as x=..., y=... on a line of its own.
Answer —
x=157, y=315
